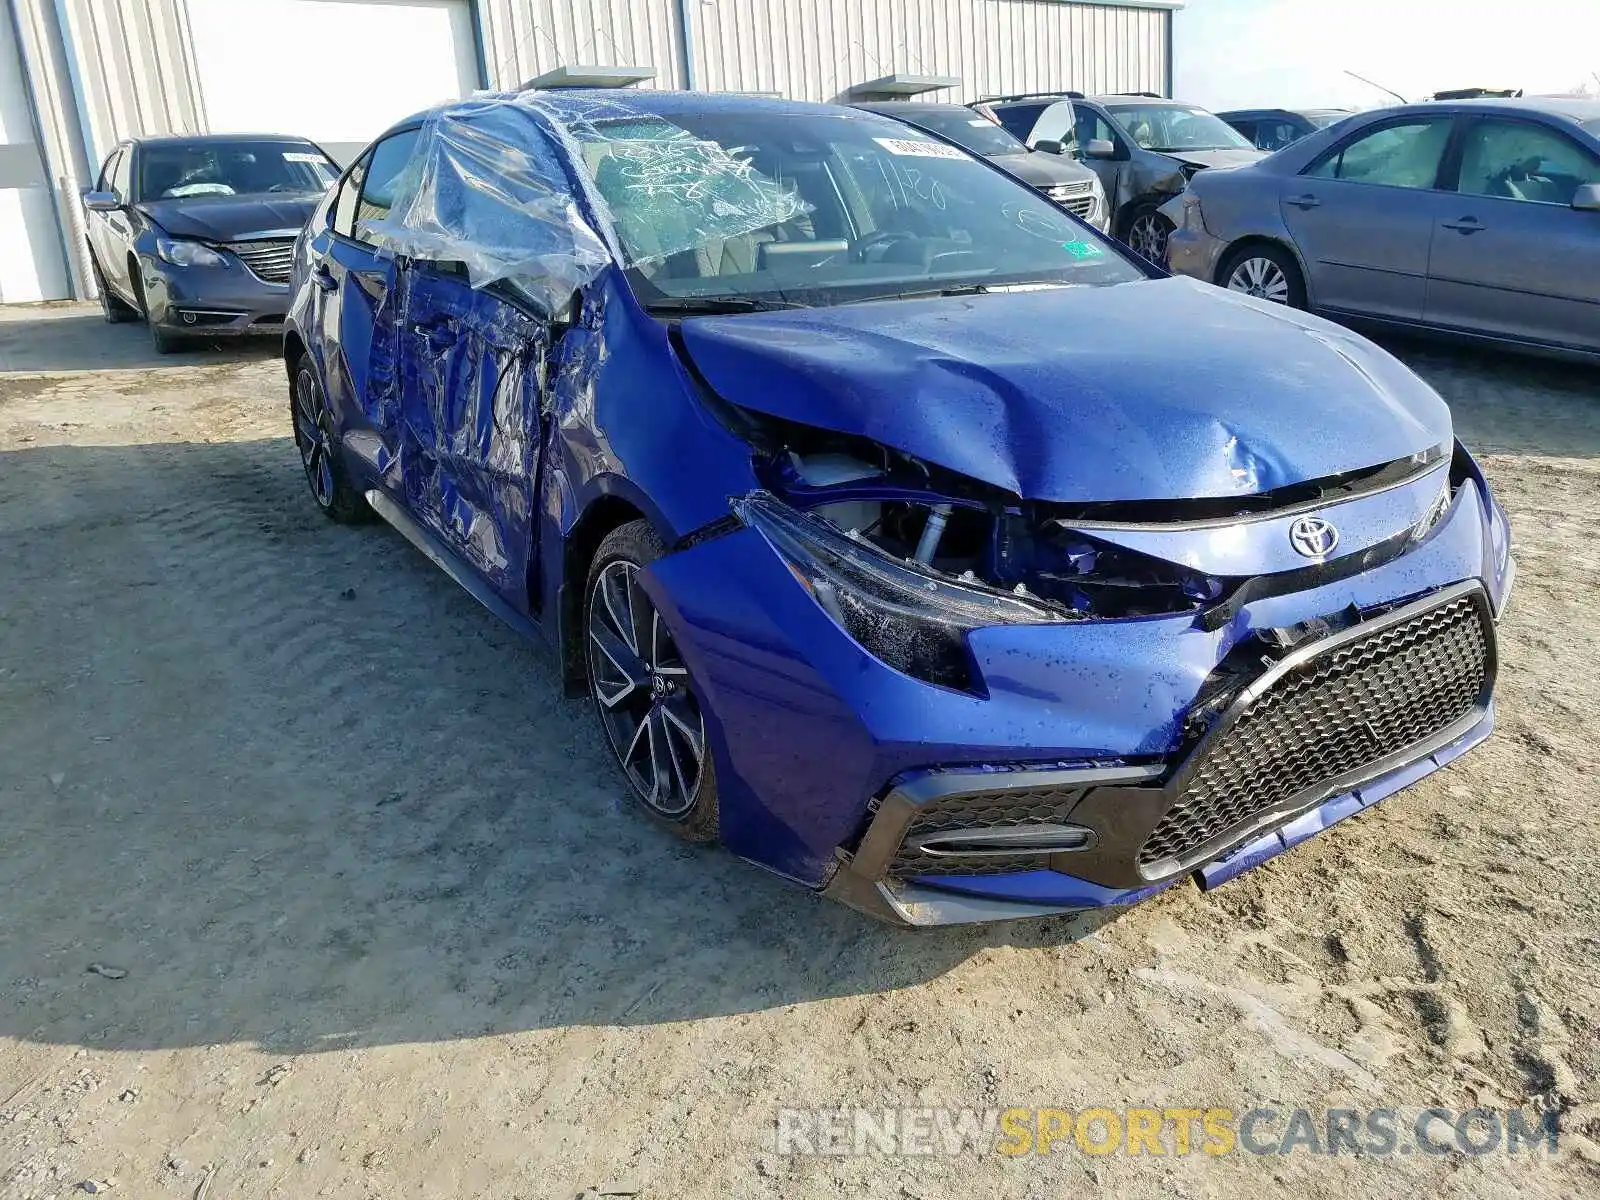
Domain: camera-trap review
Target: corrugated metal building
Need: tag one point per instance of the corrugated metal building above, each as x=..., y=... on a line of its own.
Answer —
x=76, y=76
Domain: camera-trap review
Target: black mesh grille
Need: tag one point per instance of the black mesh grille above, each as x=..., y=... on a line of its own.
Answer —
x=993, y=810
x=1336, y=713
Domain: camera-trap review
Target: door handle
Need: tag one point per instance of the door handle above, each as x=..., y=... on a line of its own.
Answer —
x=1306, y=202
x=323, y=278
x=1466, y=226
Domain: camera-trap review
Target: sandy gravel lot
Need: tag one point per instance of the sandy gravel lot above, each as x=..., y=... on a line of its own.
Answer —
x=388, y=930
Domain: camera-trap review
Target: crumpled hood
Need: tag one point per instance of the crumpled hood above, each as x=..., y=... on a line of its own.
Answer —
x=232, y=218
x=1219, y=158
x=1143, y=391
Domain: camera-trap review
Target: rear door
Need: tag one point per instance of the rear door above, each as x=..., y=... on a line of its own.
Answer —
x=361, y=307
x=1363, y=216
x=1511, y=256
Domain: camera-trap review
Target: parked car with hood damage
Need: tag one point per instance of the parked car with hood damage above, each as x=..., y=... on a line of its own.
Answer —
x=193, y=234
x=1144, y=148
x=1065, y=180
x=846, y=480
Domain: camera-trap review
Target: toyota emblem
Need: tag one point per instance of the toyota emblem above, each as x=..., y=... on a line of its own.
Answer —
x=1313, y=537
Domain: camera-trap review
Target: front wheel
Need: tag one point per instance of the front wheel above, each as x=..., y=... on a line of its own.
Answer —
x=1148, y=232
x=642, y=692
x=1267, y=273
x=115, y=309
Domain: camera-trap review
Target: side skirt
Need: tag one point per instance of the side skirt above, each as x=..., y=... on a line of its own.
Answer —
x=451, y=565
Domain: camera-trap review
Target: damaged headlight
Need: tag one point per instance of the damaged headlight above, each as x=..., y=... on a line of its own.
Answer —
x=900, y=613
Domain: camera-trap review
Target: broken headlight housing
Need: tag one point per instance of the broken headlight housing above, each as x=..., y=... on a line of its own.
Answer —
x=902, y=613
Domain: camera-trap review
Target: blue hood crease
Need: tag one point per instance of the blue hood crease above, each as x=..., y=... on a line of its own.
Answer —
x=1161, y=389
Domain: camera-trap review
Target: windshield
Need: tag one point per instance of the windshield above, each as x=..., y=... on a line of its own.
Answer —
x=761, y=208
x=211, y=168
x=1169, y=127
x=965, y=128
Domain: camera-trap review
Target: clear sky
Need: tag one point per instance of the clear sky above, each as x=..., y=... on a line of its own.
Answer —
x=1248, y=53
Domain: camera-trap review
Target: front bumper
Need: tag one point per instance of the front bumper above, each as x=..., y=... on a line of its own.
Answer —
x=821, y=749
x=1329, y=729
x=213, y=301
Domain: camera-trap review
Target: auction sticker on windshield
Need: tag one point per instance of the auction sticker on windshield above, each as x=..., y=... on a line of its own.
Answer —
x=911, y=148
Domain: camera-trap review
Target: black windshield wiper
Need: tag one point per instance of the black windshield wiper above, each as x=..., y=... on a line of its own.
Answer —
x=711, y=305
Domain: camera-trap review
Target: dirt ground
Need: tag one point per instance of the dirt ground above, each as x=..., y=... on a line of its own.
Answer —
x=389, y=931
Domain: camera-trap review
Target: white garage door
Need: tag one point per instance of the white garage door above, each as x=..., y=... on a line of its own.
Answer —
x=336, y=71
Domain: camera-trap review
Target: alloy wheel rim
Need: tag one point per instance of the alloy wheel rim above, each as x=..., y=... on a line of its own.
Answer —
x=1149, y=237
x=641, y=689
x=311, y=435
x=1261, y=278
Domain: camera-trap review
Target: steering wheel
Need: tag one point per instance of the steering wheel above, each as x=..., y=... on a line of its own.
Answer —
x=880, y=237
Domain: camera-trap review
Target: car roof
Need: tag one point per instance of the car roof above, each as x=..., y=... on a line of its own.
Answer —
x=900, y=108
x=1246, y=113
x=660, y=102
x=195, y=139
x=1143, y=101
x=1574, y=108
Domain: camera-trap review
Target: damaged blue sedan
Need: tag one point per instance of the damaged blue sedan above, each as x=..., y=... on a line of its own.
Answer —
x=910, y=538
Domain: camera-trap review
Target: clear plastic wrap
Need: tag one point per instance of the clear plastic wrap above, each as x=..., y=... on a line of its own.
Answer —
x=505, y=184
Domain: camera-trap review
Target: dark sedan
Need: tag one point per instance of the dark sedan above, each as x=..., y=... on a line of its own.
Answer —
x=1271, y=129
x=1478, y=218
x=195, y=234
x=1065, y=180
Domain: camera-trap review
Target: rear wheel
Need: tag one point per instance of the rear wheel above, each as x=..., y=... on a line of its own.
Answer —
x=331, y=488
x=1265, y=272
x=642, y=692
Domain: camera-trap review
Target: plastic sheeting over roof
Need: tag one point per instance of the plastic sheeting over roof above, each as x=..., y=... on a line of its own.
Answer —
x=533, y=188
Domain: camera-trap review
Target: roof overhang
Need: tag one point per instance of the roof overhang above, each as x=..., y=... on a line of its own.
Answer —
x=902, y=84
x=597, y=76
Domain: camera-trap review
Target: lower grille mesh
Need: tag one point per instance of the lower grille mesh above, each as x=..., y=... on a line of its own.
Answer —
x=1337, y=713
x=995, y=810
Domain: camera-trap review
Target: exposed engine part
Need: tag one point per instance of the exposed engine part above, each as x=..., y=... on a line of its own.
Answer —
x=928, y=546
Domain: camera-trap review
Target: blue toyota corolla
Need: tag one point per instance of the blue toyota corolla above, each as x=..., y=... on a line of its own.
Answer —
x=911, y=539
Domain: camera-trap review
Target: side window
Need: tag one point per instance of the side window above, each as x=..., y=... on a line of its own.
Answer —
x=109, y=171
x=388, y=159
x=344, y=204
x=1406, y=155
x=1093, y=127
x=1516, y=160
x=1018, y=119
x=122, y=175
x=1275, y=135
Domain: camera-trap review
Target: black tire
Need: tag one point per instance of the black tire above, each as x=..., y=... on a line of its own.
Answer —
x=117, y=311
x=661, y=699
x=1147, y=231
x=1250, y=269
x=164, y=342
x=318, y=446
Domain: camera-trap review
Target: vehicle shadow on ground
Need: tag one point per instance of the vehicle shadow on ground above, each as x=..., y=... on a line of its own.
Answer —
x=1510, y=404
x=309, y=795
x=75, y=340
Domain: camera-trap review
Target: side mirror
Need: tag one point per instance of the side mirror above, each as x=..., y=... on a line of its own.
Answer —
x=1587, y=198
x=102, y=201
x=1100, y=148
x=1049, y=146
